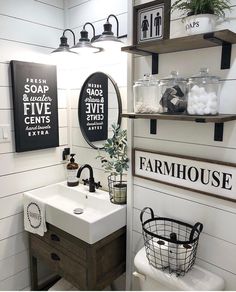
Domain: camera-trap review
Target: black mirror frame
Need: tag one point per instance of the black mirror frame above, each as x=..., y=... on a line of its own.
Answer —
x=118, y=101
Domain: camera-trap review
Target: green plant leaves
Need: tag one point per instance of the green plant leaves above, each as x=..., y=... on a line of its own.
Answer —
x=116, y=161
x=194, y=7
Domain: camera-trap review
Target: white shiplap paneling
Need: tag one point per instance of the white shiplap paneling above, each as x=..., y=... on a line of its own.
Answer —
x=113, y=64
x=217, y=245
x=29, y=31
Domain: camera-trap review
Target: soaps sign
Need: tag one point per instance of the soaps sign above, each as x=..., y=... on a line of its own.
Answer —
x=93, y=107
x=35, y=105
x=209, y=177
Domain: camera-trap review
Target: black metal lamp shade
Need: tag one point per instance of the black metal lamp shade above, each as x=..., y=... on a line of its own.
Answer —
x=84, y=45
x=64, y=47
x=107, y=37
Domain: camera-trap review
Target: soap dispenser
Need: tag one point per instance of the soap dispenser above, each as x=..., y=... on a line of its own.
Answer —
x=72, y=168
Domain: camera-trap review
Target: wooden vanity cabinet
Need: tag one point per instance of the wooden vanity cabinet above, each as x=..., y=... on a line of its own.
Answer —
x=86, y=266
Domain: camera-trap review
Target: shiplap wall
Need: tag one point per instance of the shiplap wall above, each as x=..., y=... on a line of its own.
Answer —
x=217, y=249
x=114, y=64
x=30, y=29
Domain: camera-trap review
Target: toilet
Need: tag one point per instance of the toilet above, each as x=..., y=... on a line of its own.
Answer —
x=152, y=279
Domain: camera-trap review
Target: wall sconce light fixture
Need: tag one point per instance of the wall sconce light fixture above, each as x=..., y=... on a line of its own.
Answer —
x=107, y=39
x=104, y=41
x=84, y=45
x=64, y=48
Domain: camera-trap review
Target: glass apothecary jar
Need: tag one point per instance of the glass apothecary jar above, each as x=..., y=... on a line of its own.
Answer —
x=203, y=94
x=173, y=91
x=147, y=95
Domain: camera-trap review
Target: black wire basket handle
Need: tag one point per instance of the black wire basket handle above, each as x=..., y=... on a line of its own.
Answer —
x=143, y=211
x=198, y=227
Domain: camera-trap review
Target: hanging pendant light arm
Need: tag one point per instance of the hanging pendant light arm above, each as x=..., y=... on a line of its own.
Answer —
x=89, y=23
x=117, y=23
x=71, y=32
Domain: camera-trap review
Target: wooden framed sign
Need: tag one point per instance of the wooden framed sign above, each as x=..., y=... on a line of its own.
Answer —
x=151, y=21
x=209, y=177
x=34, y=105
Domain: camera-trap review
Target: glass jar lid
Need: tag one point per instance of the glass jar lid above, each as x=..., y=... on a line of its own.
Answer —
x=204, y=77
x=174, y=76
x=147, y=80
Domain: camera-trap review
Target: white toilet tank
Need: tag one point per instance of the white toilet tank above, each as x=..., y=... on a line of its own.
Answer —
x=151, y=279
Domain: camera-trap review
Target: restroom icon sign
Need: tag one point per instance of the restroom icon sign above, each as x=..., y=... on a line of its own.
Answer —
x=150, y=23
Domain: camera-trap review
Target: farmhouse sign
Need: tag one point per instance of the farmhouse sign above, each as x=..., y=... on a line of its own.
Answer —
x=93, y=107
x=205, y=176
x=35, y=105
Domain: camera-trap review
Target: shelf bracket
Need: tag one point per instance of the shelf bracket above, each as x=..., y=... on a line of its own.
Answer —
x=153, y=127
x=226, y=49
x=155, y=63
x=226, y=55
x=219, y=132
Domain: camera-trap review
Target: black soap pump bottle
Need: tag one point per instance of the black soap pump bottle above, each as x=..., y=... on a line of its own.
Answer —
x=72, y=168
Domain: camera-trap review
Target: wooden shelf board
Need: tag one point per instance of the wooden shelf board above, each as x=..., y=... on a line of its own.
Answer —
x=221, y=118
x=183, y=43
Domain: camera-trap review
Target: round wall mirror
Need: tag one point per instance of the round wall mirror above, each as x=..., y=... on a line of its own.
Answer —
x=99, y=107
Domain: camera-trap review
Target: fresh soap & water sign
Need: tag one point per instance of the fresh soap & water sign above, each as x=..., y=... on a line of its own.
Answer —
x=35, y=105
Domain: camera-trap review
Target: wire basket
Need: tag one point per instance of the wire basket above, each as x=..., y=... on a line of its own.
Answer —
x=117, y=189
x=171, y=245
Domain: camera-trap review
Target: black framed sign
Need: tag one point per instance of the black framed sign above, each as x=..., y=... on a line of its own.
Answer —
x=99, y=107
x=35, y=105
x=210, y=177
x=151, y=21
x=94, y=107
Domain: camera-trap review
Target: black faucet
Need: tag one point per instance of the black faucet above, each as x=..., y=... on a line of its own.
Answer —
x=92, y=184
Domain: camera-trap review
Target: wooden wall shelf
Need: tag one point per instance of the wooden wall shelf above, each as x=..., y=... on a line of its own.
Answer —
x=224, y=38
x=218, y=120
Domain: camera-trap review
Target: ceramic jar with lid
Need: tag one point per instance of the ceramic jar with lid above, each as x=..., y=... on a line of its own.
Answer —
x=203, y=94
x=173, y=91
x=146, y=95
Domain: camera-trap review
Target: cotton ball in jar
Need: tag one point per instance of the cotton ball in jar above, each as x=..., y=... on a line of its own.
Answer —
x=203, y=98
x=202, y=91
x=191, y=110
x=195, y=90
x=207, y=111
x=195, y=108
x=200, y=111
x=213, y=105
x=200, y=106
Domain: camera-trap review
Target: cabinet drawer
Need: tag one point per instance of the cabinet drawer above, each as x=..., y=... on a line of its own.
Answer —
x=67, y=243
x=60, y=263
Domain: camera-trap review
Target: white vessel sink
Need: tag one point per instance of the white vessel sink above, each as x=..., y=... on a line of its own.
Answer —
x=99, y=218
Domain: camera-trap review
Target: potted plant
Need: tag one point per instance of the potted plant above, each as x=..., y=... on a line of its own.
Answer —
x=116, y=163
x=201, y=15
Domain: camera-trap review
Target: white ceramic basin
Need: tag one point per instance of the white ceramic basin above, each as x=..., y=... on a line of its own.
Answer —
x=99, y=219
